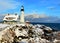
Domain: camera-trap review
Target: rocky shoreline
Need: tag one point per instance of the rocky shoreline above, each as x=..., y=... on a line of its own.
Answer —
x=20, y=33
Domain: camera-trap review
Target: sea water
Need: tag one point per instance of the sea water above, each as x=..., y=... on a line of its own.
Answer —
x=55, y=26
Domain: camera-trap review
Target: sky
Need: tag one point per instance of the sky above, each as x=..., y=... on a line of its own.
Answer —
x=47, y=7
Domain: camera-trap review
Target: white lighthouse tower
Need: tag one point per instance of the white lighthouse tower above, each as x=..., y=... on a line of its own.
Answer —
x=22, y=15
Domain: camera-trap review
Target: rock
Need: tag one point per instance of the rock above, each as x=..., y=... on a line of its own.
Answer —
x=20, y=33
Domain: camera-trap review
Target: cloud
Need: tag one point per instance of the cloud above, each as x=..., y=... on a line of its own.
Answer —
x=35, y=15
x=51, y=8
x=42, y=19
x=43, y=16
x=8, y=4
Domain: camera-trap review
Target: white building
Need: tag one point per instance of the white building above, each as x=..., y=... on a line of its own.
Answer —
x=12, y=19
x=22, y=15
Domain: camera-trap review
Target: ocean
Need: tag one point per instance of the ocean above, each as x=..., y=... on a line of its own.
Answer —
x=55, y=26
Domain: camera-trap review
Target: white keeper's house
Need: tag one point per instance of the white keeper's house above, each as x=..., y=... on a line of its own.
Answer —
x=14, y=18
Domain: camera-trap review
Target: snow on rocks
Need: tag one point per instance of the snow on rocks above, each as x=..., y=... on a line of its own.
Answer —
x=3, y=26
x=20, y=33
x=25, y=34
x=38, y=31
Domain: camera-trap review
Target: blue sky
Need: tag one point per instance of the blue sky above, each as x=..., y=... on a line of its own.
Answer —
x=47, y=7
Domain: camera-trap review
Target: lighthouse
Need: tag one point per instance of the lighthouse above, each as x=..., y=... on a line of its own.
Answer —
x=22, y=15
